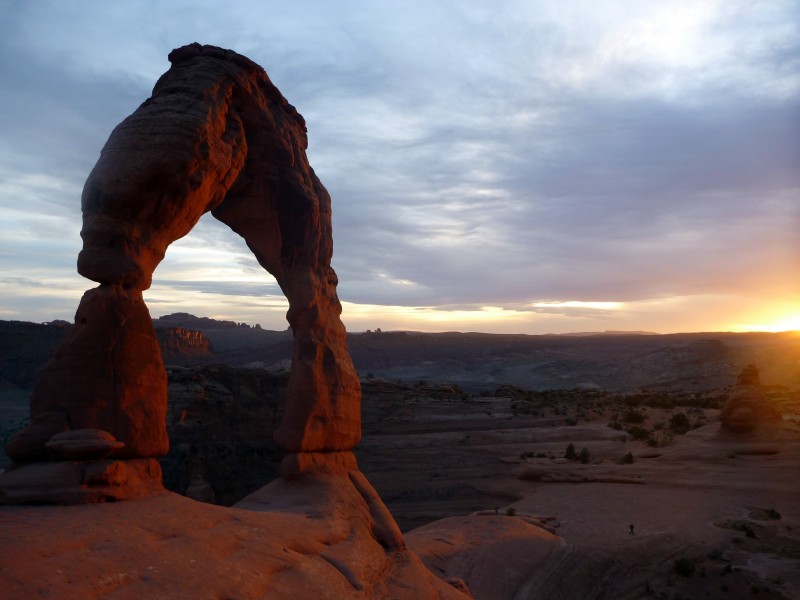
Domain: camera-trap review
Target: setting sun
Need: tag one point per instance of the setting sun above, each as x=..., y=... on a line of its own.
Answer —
x=789, y=322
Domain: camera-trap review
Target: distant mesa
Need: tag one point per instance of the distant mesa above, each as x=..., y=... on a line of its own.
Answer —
x=189, y=321
x=58, y=323
x=177, y=342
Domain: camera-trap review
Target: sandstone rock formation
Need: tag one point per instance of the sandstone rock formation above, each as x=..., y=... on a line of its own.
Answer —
x=747, y=407
x=217, y=136
x=182, y=344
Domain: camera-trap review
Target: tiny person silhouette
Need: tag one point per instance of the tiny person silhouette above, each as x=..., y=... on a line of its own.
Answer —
x=631, y=528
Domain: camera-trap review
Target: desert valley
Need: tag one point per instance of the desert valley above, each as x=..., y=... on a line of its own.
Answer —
x=526, y=456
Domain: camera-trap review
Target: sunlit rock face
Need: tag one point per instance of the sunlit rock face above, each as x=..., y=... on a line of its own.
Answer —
x=747, y=407
x=106, y=374
x=216, y=136
x=179, y=343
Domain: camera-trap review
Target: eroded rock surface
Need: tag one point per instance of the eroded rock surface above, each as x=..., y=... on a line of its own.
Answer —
x=105, y=374
x=217, y=136
x=179, y=345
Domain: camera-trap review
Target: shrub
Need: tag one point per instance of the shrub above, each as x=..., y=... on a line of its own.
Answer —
x=638, y=433
x=511, y=511
x=626, y=460
x=679, y=423
x=615, y=425
x=633, y=416
x=570, y=453
x=684, y=567
x=584, y=456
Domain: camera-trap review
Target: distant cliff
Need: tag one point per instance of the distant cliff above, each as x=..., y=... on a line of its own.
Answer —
x=179, y=344
x=220, y=421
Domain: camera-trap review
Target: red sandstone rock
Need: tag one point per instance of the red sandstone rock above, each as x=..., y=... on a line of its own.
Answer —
x=472, y=551
x=106, y=374
x=179, y=343
x=83, y=444
x=216, y=135
x=81, y=482
x=746, y=406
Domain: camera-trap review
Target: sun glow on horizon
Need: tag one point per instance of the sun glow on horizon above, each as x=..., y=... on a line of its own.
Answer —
x=784, y=323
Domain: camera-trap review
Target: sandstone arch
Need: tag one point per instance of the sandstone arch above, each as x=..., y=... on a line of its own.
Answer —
x=216, y=135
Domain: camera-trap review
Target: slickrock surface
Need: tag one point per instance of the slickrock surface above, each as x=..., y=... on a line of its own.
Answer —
x=495, y=555
x=308, y=538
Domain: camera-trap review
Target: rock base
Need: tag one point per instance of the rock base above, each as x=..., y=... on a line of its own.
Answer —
x=81, y=482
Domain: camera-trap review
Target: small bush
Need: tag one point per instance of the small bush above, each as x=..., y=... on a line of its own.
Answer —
x=626, y=460
x=633, y=416
x=511, y=511
x=570, y=453
x=584, y=456
x=615, y=425
x=684, y=567
x=638, y=433
x=679, y=423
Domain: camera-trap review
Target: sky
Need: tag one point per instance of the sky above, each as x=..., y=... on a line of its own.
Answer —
x=544, y=166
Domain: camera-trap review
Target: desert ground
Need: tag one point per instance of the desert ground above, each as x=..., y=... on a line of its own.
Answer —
x=483, y=485
x=714, y=515
x=725, y=507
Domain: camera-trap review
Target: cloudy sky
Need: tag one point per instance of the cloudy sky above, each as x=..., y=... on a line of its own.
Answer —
x=505, y=166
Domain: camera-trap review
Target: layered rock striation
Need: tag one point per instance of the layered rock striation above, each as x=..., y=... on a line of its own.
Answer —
x=182, y=344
